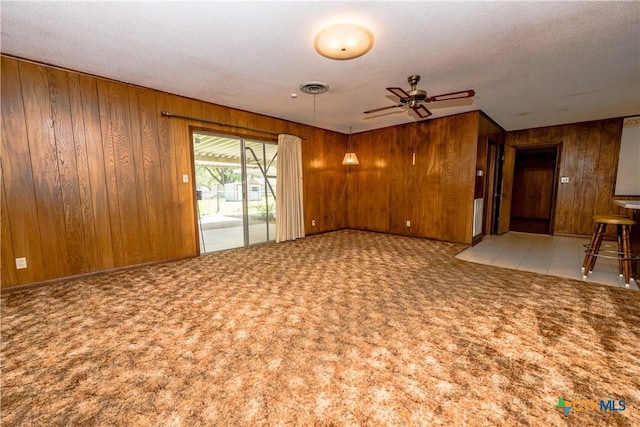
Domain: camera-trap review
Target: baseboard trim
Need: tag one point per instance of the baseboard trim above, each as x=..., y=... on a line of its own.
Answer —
x=43, y=283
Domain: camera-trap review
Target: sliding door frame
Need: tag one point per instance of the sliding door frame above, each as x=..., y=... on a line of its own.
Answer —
x=242, y=139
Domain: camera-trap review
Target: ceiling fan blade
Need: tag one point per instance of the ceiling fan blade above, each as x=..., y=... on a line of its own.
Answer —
x=454, y=95
x=400, y=93
x=375, y=110
x=422, y=111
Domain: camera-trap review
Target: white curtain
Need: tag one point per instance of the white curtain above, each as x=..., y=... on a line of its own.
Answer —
x=289, y=209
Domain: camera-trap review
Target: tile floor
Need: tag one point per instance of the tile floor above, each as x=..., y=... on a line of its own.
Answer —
x=553, y=255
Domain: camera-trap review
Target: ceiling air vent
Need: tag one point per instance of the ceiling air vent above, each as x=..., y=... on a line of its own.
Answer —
x=314, y=88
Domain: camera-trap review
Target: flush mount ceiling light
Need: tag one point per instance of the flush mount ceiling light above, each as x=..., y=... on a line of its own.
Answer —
x=343, y=41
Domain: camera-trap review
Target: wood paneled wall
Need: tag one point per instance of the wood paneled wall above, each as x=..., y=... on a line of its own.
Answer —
x=435, y=194
x=92, y=173
x=589, y=157
x=325, y=181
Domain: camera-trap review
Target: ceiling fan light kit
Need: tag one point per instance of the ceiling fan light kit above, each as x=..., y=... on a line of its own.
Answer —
x=415, y=98
x=343, y=41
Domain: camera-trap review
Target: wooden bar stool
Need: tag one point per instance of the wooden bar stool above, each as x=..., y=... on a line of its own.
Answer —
x=623, y=254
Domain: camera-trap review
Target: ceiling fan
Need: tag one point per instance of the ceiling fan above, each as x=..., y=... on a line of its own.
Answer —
x=415, y=98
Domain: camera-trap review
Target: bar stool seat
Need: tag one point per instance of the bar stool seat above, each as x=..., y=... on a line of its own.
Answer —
x=622, y=254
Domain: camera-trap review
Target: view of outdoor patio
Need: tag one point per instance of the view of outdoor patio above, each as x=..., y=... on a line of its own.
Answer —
x=226, y=219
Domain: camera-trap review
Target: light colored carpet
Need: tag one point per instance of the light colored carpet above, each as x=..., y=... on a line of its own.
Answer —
x=344, y=328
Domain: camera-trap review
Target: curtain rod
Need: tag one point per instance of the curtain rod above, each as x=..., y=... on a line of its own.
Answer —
x=214, y=122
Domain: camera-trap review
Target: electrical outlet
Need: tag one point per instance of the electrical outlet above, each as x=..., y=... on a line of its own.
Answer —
x=21, y=263
x=313, y=222
x=408, y=223
x=564, y=180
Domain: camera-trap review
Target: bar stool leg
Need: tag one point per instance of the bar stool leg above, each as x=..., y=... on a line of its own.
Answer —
x=590, y=259
x=626, y=251
x=620, y=252
x=590, y=248
x=634, y=258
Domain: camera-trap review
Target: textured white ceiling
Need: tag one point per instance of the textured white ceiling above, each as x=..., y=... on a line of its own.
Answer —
x=531, y=64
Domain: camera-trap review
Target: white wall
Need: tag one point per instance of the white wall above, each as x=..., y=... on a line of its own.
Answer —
x=628, y=179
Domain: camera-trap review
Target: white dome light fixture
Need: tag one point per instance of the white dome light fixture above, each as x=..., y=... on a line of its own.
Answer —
x=343, y=41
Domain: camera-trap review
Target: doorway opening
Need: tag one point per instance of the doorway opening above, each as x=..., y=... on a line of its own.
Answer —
x=235, y=182
x=534, y=189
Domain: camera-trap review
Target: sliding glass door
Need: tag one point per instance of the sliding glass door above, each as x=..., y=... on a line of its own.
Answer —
x=235, y=191
x=260, y=167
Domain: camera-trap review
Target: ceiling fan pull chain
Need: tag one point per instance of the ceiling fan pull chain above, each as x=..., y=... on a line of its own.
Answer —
x=314, y=106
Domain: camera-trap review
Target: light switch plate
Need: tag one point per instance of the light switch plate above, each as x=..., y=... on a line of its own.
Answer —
x=564, y=180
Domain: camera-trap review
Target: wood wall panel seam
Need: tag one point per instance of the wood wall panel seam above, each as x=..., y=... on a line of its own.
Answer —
x=18, y=185
x=67, y=171
x=42, y=150
x=83, y=175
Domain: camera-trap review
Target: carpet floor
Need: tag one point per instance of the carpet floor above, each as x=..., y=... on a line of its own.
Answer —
x=348, y=328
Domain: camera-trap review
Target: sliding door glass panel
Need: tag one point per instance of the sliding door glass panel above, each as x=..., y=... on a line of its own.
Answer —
x=218, y=191
x=235, y=191
x=261, y=187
